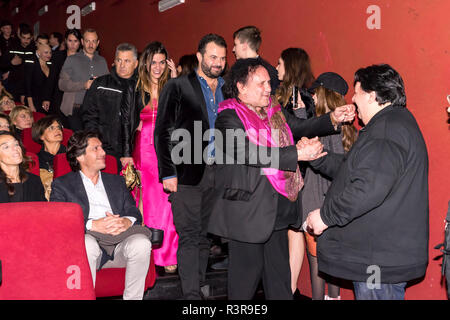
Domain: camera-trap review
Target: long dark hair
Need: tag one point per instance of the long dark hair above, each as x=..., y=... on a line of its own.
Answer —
x=23, y=166
x=298, y=73
x=144, y=82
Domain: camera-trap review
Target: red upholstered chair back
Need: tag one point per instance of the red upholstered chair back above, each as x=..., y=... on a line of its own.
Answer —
x=67, y=133
x=38, y=115
x=43, y=253
x=34, y=165
x=28, y=141
x=61, y=165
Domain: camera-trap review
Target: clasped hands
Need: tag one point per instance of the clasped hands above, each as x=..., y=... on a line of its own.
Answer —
x=309, y=149
x=112, y=224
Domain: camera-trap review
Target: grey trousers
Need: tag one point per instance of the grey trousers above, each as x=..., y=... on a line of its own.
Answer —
x=133, y=253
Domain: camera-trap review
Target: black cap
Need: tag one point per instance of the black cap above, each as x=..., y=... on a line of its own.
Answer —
x=331, y=81
x=5, y=23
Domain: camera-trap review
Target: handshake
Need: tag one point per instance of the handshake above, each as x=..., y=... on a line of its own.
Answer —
x=309, y=149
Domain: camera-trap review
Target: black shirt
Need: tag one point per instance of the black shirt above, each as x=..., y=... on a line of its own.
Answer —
x=46, y=158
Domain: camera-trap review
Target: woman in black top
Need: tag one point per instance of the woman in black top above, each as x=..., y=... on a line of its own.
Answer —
x=294, y=72
x=48, y=132
x=72, y=44
x=37, y=71
x=16, y=184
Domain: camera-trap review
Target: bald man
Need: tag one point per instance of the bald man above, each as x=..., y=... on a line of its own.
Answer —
x=37, y=71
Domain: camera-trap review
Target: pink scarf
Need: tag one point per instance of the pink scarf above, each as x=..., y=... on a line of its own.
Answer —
x=259, y=132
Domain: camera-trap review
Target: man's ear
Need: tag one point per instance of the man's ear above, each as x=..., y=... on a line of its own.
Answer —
x=372, y=97
x=199, y=58
x=241, y=88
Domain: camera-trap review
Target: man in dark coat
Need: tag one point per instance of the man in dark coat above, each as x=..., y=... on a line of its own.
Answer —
x=187, y=108
x=249, y=206
x=102, y=105
x=375, y=215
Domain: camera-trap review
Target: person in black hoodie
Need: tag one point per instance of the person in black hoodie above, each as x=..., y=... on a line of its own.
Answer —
x=101, y=108
x=374, y=222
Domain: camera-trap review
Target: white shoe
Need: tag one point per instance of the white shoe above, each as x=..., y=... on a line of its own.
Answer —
x=326, y=297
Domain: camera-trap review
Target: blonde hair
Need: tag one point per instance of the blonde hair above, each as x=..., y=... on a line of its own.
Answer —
x=18, y=109
x=329, y=100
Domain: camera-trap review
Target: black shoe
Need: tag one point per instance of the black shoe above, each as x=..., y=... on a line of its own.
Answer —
x=221, y=265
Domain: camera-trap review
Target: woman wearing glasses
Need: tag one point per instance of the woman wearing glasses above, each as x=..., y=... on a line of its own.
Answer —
x=48, y=132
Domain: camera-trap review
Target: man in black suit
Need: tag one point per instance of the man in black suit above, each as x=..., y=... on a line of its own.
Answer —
x=108, y=209
x=188, y=108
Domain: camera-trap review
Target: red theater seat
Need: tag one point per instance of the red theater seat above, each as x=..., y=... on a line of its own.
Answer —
x=34, y=165
x=42, y=252
x=38, y=115
x=61, y=165
x=28, y=141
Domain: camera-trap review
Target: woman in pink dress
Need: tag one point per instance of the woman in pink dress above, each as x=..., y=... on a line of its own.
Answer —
x=153, y=70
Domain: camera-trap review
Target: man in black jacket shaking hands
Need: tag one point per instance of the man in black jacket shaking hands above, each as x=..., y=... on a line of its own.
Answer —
x=374, y=218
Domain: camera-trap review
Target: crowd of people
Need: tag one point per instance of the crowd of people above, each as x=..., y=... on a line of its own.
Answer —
x=258, y=161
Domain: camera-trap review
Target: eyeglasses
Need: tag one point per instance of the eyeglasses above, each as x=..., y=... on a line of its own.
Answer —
x=53, y=128
x=5, y=102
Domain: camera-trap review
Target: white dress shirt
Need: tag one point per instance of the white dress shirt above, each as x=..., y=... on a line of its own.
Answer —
x=98, y=200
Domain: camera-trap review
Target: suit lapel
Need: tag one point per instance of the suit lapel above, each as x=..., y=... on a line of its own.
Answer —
x=80, y=191
x=199, y=93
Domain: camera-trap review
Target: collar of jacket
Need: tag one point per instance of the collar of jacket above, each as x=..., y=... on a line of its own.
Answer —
x=116, y=77
x=379, y=114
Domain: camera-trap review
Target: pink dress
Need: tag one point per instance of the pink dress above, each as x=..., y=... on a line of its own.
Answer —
x=157, y=211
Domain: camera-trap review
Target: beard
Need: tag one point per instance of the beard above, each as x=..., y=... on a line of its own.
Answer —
x=208, y=71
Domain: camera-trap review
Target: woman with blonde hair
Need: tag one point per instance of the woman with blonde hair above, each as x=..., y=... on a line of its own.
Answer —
x=328, y=93
x=21, y=118
x=155, y=69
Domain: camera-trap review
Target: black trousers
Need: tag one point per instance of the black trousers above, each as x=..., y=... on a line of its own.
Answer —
x=191, y=208
x=249, y=262
x=74, y=121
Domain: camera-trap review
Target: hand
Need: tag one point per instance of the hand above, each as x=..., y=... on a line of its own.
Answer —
x=5, y=75
x=300, y=103
x=88, y=83
x=344, y=113
x=112, y=224
x=46, y=105
x=31, y=104
x=16, y=60
x=314, y=223
x=139, y=128
x=309, y=149
x=126, y=160
x=170, y=184
x=22, y=100
x=172, y=67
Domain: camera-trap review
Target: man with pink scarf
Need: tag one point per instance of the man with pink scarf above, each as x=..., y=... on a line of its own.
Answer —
x=257, y=179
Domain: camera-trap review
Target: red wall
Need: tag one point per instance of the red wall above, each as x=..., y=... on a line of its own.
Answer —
x=413, y=38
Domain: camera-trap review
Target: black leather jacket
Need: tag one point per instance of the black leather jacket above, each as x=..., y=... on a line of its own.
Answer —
x=103, y=107
x=131, y=109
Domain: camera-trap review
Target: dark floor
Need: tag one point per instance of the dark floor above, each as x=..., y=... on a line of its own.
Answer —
x=168, y=287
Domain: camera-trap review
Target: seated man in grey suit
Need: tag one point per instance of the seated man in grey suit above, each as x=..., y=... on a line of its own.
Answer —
x=108, y=208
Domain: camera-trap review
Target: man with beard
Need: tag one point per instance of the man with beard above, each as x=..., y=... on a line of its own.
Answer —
x=188, y=105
